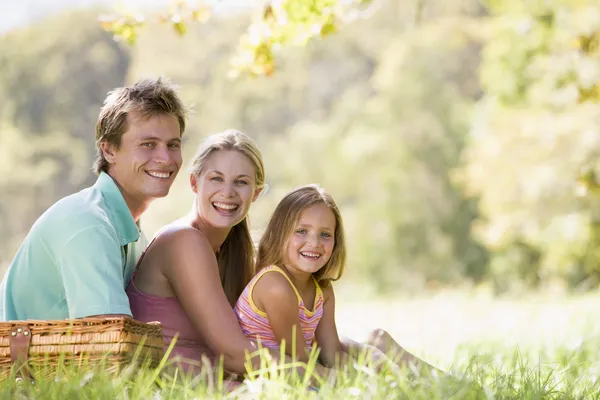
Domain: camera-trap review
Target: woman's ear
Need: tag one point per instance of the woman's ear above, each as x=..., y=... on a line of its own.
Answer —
x=257, y=193
x=108, y=150
x=193, y=183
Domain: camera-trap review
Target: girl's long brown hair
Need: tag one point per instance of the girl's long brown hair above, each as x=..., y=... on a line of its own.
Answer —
x=283, y=221
x=236, y=254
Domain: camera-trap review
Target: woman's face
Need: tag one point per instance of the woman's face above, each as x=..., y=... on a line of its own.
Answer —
x=225, y=188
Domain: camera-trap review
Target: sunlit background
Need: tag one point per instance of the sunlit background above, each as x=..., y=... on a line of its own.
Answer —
x=460, y=139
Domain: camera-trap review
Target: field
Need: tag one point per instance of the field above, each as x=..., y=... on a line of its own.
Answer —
x=536, y=347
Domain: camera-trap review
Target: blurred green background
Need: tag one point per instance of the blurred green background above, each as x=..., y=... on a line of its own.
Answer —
x=460, y=138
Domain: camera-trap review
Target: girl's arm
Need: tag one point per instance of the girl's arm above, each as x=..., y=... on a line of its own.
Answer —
x=327, y=334
x=275, y=296
x=193, y=273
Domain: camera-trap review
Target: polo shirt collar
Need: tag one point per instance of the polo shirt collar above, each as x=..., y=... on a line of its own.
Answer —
x=118, y=212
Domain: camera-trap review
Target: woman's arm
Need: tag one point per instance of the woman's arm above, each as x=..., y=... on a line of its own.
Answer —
x=193, y=273
x=327, y=334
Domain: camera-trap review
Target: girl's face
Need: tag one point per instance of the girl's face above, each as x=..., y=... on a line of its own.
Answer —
x=311, y=243
x=225, y=188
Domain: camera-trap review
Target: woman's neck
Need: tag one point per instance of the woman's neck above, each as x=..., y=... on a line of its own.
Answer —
x=216, y=236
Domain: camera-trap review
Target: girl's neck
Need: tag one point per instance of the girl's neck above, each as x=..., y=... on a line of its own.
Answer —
x=216, y=236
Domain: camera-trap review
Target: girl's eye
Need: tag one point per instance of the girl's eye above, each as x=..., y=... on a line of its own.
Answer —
x=241, y=182
x=216, y=179
x=301, y=231
x=326, y=234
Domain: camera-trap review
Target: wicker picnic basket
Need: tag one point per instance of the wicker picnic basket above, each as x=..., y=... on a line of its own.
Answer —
x=49, y=345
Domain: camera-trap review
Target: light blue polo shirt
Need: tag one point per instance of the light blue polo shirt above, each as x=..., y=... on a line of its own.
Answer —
x=73, y=262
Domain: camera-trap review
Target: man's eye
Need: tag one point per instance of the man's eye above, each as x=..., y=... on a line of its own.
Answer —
x=175, y=145
x=148, y=144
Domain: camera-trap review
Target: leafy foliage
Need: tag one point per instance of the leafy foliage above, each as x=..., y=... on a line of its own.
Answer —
x=278, y=23
x=52, y=83
x=534, y=156
x=460, y=140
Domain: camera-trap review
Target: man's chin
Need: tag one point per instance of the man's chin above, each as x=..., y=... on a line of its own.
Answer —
x=158, y=194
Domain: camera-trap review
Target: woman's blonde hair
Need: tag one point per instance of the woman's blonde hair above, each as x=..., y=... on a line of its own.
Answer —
x=281, y=226
x=236, y=255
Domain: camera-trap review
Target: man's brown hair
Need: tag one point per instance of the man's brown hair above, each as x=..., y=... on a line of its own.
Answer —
x=147, y=98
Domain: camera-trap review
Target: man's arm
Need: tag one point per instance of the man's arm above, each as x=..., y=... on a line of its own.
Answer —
x=110, y=315
x=91, y=267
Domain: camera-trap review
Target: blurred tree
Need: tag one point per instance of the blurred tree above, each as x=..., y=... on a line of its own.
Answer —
x=534, y=157
x=378, y=114
x=277, y=23
x=54, y=77
x=387, y=147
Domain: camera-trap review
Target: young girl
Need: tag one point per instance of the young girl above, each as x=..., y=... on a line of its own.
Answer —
x=290, y=298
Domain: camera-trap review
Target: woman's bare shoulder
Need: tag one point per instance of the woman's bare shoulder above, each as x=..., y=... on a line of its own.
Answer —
x=178, y=235
x=183, y=245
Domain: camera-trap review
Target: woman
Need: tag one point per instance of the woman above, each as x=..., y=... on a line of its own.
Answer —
x=196, y=268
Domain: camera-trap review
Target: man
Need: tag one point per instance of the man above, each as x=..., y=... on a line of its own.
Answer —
x=80, y=254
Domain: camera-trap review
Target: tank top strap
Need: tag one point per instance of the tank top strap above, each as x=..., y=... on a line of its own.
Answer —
x=319, y=290
x=275, y=268
x=137, y=266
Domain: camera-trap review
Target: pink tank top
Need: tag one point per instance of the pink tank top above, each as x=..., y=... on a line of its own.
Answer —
x=255, y=324
x=190, y=346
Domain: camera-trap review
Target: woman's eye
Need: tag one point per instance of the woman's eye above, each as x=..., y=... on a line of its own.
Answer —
x=301, y=231
x=216, y=179
x=326, y=235
x=241, y=182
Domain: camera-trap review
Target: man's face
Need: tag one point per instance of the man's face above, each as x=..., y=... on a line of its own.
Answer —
x=147, y=162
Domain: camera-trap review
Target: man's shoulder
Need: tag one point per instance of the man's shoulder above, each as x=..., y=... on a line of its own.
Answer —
x=79, y=211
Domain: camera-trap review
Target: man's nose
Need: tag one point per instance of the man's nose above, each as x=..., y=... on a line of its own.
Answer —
x=162, y=155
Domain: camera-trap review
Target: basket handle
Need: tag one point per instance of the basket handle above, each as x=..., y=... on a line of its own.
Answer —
x=20, y=338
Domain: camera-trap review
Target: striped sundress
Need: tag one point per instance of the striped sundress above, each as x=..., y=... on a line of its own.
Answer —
x=255, y=324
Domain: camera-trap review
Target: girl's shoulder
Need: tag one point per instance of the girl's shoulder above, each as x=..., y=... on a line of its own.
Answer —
x=271, y=274
x=273, y=282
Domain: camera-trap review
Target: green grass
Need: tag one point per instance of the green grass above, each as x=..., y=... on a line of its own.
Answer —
x=535, y=348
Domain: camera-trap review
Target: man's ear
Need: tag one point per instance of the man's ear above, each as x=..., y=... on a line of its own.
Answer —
x=257, y=193
x=108, y=150
x=194, y=182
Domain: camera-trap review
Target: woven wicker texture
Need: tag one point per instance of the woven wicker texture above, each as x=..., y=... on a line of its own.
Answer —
x=113, y=341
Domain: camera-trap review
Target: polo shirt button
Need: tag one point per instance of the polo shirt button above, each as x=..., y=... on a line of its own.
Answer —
x=123, y=241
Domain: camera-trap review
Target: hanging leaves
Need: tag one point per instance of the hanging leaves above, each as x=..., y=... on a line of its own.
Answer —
x=278, y=24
